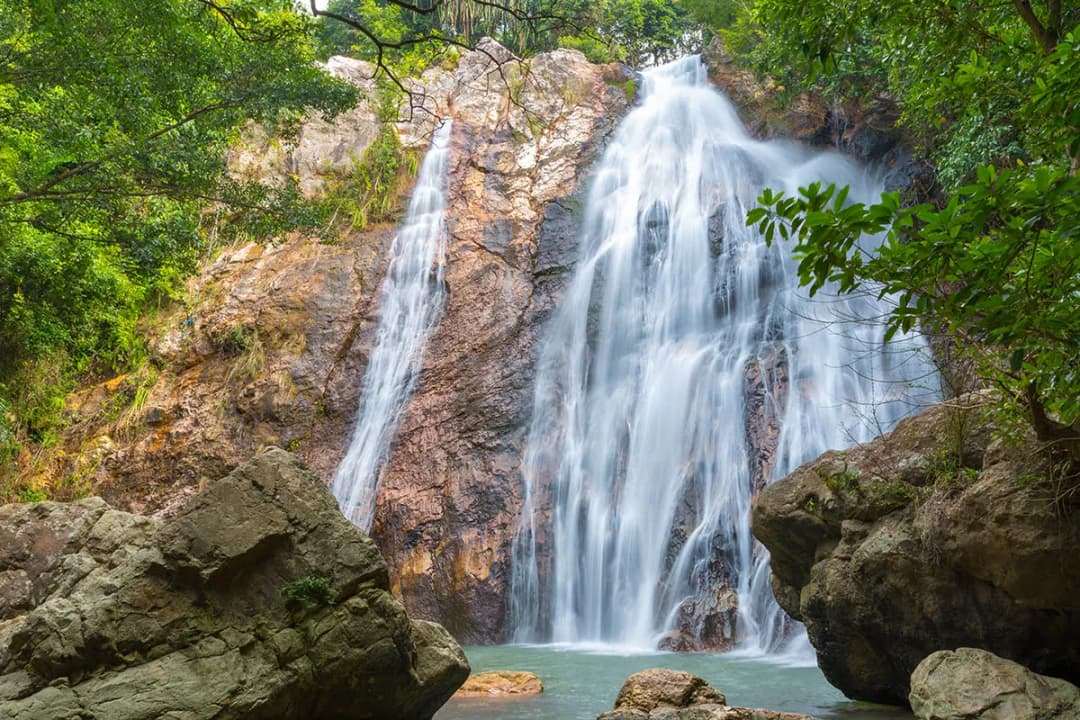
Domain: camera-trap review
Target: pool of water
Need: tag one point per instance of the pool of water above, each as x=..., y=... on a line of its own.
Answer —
x=580, y=684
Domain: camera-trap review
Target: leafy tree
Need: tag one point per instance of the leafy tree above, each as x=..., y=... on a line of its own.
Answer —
x=116, y=118
x=640, y=32
x=960, y=69
x=997, y=263
x=402, y=36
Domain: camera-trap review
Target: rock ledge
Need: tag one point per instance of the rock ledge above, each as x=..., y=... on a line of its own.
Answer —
x=501, y=683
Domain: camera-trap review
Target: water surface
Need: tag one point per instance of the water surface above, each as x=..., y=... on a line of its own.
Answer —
x=579, y=684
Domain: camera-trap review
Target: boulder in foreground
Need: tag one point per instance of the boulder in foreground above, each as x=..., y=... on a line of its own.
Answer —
x=257, y=600
x=661, y=694
x=971, y=684
x=931, y=537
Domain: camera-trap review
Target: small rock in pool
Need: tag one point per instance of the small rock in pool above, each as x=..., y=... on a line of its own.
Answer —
x=662, y=694
x=501, y=683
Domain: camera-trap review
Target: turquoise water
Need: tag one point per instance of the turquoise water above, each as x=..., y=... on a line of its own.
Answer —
x=579, y=685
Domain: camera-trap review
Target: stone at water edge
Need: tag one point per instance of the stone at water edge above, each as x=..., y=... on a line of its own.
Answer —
x=662, y=694
x=501, y=683
x=105, y=614
x=652, y=688
x=704, y=624
x=973, y=684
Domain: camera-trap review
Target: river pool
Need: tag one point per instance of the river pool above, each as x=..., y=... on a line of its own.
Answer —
x=580, y=684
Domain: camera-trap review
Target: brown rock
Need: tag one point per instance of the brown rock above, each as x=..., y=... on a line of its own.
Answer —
x=649, y=689
x=661, y=694
x=931, y=537
x=705, y=623
x=501, y=683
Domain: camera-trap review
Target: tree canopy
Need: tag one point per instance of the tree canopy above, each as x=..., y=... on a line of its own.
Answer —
x=403, y=36
x=995, y=261
x=116, y=119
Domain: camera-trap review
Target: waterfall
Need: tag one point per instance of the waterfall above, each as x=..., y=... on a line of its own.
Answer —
x=638, y=473
x=411, y=301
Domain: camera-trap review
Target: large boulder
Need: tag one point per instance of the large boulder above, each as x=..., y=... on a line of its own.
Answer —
x=971, y=684
x=662, y=694
x=934, y=536
x=257, y=600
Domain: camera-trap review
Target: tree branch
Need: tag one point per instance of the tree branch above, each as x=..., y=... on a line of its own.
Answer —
x=1054, y=21
x=1048, y=430
x=244, y=31
x=382, y=45
x=1046, y=38
x=46, y=189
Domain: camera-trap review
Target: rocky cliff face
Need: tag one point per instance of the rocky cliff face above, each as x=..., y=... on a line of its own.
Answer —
x=257, y=600
x=271, y=345
x=865, y=129
x=450, y=495
x=932, y=537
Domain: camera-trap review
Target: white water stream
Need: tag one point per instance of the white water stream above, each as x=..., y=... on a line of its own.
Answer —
x=640, y=414
x=411, y=302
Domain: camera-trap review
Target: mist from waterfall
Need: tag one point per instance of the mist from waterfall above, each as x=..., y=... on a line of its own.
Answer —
x=411, y=302
x=638, y=474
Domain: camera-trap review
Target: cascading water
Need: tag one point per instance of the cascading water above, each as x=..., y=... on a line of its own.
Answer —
x=411, y=302
x=638, y=471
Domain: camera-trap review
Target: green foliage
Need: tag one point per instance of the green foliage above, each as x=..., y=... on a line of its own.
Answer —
x=640, y=31
x=961, y=71
x=9, y=446
x=631, y=31
x=998, y=264
x=308, y=591
x=31, y=495
x=887, y=496
x=376, y=178
x=947, y=469
x=234, y=341
x=845, y=481
x=372, y=191
x=116, y=119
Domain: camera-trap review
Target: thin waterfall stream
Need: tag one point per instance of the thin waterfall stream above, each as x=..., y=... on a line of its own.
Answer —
x=411, y=301
x=685, y=369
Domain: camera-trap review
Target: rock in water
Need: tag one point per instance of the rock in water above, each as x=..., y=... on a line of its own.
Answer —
x=971, y=684
x=257, y=600
x=662, y=694
x=501, y=683
x=931, y=537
